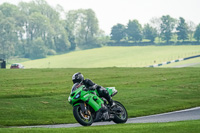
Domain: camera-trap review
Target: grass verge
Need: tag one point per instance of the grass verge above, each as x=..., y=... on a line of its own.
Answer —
x=171, y=127
x=39, y=96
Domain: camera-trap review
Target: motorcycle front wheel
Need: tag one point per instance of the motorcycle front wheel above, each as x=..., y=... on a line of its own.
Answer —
x=83, y=119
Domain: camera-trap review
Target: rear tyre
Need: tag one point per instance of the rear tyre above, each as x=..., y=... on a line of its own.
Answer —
x=85, y=120
x=120, y=117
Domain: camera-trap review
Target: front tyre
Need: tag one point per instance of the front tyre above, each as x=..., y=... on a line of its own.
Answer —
x=83, y=119
x=122, y=116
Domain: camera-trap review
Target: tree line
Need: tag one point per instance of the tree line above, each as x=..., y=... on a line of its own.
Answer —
x=164, y=28
x=35, y=29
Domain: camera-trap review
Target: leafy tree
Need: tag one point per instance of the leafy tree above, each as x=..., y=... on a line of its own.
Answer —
x=8, y=28
x=83, y=26
x=134, y=30
x=90, y=28
x=191, y=29
x=43, y=21
x=22, y=25
x=8, y=36
x=118, y=32
x=38, y=26
x=9, y=10
x=71, y=18
x=38, y=49
x=167, y=27
x=155, y=23
x=1, y=40
x=182, y=29
x=61, y=38
x=149, y=32
x=197, y=33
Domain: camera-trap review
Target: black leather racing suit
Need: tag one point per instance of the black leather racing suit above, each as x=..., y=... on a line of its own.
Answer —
x=102, y=91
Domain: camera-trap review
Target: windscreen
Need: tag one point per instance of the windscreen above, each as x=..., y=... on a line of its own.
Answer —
x=75, y=86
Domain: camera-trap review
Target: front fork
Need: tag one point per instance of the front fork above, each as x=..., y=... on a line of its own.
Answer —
x=84, y=109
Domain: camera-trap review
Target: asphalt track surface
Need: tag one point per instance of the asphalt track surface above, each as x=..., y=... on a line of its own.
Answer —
x=185, y=65
x=182, y=115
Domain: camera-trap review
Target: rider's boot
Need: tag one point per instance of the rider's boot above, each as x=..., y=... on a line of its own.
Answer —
x=112, y=104
x=110, y=101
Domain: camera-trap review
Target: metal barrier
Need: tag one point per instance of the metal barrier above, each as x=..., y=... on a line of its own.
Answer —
x=168, y=62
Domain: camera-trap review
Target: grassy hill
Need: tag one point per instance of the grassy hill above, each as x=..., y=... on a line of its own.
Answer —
x=135, y=56
x=39, y=96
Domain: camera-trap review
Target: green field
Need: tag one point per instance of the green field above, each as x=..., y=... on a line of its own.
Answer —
x=39, y=96
x=135, y=56
x=171, y=127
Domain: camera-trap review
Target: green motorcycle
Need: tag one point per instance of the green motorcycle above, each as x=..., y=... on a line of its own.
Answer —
x=87, y=102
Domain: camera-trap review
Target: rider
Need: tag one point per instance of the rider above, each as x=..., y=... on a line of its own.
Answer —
x=78, y=78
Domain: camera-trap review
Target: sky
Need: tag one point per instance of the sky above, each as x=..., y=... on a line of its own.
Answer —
x=112, y=12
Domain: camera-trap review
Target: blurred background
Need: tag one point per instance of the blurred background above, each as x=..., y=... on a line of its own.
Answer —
x=85, y=34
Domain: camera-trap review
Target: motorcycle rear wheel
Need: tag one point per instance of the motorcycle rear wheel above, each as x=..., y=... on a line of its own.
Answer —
x=85, y=120
x=120, y=117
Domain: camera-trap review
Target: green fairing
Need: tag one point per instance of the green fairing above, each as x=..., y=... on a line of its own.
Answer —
x=89, y=97
x=111, y=90
x=77, y=104
x=94, y=101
